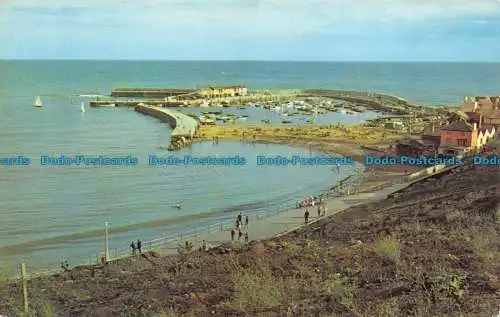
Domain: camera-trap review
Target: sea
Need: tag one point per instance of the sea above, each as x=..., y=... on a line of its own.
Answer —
x=54, y=213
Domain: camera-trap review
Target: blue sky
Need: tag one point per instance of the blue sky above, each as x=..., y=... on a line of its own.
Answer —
x=316, y=30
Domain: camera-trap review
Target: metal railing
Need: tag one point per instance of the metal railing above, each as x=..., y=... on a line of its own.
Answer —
x=171, y=242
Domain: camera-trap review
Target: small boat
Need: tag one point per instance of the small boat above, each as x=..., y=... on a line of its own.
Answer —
x=91, y=96
x=207, y=122
x=266, y=121
x=108, y=105
x=38, y=102
x=215, y=112
x=82, y=107
x=286, y=121
x=310, y=120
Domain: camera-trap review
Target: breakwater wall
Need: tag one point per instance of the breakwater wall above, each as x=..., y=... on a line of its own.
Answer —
x=149, y=92
x=135, y=103
x=184, y=128
x=375, y=101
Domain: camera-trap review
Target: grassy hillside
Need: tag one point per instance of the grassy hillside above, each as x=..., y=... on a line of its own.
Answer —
x=431, y=251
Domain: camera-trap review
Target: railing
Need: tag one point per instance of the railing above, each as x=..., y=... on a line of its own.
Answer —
x=171, y=242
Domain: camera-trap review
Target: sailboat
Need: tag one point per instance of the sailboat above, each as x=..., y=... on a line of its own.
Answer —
x=82, y=107
x=38, y=102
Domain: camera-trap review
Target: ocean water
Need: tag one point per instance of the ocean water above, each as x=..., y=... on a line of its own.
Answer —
x=50, y=213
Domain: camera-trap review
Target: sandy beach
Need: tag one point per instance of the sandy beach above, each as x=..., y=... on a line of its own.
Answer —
x=355, y=141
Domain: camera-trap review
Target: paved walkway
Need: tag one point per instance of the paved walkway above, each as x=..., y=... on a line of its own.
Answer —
x=286, y=221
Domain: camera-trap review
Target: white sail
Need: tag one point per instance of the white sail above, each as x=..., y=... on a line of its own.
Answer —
x=82, y=108
x=38, y=102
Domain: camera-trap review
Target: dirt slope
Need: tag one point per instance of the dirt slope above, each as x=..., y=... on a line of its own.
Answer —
x=432, y=251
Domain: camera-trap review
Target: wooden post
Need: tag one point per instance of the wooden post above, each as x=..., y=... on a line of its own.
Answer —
x=25, y=287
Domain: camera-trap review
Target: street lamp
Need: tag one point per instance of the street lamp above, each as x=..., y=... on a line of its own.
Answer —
x=106, y=242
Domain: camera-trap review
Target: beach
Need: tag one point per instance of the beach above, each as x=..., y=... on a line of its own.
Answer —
x=72, y=204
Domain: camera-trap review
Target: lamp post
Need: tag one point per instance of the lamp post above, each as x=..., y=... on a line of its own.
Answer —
x=106, y=242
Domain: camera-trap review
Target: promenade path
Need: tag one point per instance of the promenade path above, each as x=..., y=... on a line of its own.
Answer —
x=286, y=221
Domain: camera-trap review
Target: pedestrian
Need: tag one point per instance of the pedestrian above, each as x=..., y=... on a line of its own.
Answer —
x=240, y=217
x=246, y=237
x=319, y=211
x=232, y=234
x=306, y=216
x=134, y=247
x=239, y=234
x=139, y=245
x=246, y=222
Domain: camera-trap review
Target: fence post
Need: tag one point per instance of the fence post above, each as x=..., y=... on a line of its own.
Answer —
x=25, y=287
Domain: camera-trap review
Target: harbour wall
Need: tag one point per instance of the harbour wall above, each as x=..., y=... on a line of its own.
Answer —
x=184, y=128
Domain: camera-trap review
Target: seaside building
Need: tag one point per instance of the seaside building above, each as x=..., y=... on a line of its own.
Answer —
x=488, y=107
x=223, y=91
x=463, y=136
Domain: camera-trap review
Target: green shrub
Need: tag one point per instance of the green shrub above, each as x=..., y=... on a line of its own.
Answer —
x=388, y=248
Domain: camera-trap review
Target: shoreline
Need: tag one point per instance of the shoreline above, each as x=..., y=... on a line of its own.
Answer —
x=364, y=181
x=344, y=140
x=329, y=139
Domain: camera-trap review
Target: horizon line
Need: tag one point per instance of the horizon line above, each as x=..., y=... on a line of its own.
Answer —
x=249, y=60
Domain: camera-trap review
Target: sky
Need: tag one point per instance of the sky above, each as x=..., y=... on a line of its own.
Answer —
x=298, y=30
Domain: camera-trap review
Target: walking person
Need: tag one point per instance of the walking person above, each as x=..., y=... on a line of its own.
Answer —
x=232, y=234
x=134, y=247
x=306, y=216
x=240, y=218
x=246, y=222
x=240, y=234
x=246, y=237
x=139, y=245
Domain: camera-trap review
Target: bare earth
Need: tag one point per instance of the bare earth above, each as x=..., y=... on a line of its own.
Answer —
x=431, y=251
